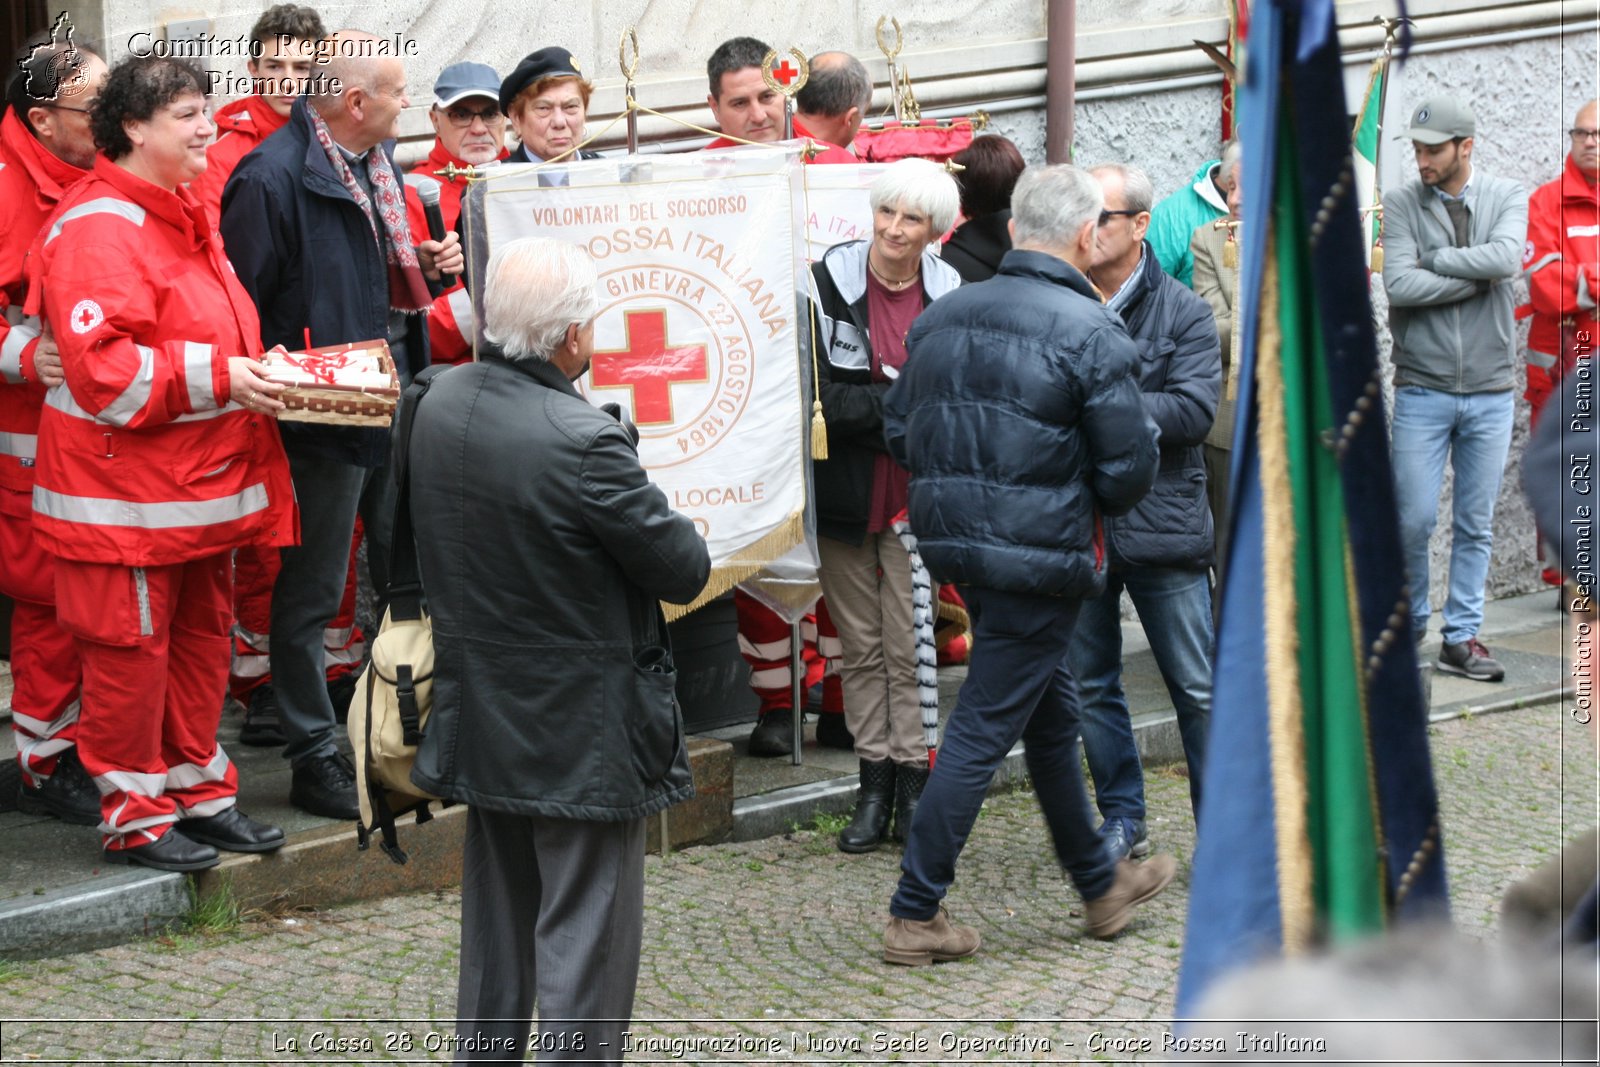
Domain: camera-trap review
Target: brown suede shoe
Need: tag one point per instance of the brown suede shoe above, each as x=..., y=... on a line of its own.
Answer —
x=917, y=944
x=1135, y=883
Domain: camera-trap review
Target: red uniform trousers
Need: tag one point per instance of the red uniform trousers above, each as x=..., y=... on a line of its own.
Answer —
x=154, y=645
x=764, y=642
x=255, y=569
x=44, y=658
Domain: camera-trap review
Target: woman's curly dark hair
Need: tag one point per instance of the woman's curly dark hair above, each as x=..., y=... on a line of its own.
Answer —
x=139, y=87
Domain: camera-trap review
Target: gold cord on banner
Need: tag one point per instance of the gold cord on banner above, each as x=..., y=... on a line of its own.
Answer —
x=819, y=427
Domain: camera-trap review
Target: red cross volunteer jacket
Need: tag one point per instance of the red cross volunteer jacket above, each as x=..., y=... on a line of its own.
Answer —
x=241, y=126
x=31, y=182
x=1562, y=261
x=143, y=461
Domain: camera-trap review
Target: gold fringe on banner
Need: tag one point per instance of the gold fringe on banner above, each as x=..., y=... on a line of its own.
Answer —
x=747, y=561
x=1285, y=718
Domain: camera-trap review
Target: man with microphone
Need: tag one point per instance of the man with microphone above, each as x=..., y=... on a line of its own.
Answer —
x=469, y=131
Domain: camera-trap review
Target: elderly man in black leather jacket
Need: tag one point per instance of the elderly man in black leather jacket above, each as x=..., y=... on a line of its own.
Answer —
x=544, y=552
x=1019, y=417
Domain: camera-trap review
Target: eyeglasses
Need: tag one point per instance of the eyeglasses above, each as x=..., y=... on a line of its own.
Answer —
x=461, y=117
x=1578, y=133
x=69, y=107
x=1107, y=216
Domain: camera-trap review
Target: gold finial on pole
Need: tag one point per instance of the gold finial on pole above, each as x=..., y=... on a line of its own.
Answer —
x=786, y=81
x=629, y=69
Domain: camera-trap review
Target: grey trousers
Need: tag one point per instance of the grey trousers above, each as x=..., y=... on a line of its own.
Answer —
x=309, y=587
x=552, y=912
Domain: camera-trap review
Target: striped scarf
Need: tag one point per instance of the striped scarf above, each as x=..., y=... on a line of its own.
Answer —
x=922, y=613
x=408, y=290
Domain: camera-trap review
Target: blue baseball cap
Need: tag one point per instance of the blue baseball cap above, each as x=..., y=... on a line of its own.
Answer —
x=461, y=80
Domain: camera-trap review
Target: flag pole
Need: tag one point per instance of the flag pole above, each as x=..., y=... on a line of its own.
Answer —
x=1391, y=29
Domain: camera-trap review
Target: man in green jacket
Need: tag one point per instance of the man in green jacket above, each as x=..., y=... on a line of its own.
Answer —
x=1200, y=203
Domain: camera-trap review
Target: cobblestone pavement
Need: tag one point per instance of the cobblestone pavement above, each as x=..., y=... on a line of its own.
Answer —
x=755, y=947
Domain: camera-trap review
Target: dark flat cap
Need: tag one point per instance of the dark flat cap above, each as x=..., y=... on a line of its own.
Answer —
x=545, y=63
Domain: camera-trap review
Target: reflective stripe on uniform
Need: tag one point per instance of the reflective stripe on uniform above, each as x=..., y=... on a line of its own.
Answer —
x=189, y=775
x=162, y=515
x=41, y=729
x=197, y=375
x=121, y=411
x=60, y=398
x=460, y=301
x=1541, y=359
x=1553, y=257
x=20, y=445
x=766, y=650
x=16, y=339
x=146, y=785
x=105, y=205
x=773, y=678
x=206, y=808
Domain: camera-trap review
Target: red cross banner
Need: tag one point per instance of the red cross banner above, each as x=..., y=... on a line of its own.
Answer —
x=698, y=336
x=837, y=205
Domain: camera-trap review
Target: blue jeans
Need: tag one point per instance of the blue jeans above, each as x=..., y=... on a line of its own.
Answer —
x=1474, y=431
x=1175, y=609
x=1018, y=686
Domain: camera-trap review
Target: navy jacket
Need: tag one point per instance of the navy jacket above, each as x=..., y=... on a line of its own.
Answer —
x=1180, y=374
x=305, y=251
x=1020, y=419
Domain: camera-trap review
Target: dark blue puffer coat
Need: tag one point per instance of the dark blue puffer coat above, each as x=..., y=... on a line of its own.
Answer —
x=1020, y=419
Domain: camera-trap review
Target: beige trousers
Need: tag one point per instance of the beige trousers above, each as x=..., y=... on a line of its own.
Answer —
x=869, y=596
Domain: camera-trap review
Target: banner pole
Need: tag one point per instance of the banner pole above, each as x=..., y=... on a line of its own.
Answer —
x=797, y=674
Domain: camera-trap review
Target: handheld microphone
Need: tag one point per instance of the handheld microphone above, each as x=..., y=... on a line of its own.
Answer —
x=427, y=190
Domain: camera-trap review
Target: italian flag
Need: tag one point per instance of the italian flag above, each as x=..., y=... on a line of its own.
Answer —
x=1365, y=143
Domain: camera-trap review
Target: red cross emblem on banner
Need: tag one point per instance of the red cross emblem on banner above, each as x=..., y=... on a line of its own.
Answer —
x=649, y=366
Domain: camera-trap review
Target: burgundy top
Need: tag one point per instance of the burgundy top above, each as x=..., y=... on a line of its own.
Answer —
x=889, y=318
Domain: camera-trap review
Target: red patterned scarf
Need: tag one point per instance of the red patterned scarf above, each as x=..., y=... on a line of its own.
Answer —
x=408, y=290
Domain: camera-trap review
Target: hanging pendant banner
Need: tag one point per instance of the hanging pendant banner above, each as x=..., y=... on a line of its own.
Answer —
x=698, y=333
x=838, y=205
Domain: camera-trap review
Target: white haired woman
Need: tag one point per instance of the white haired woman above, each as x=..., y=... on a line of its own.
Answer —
x=869, y=292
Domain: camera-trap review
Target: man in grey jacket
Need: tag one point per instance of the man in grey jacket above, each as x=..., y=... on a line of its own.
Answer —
x=1452, y=248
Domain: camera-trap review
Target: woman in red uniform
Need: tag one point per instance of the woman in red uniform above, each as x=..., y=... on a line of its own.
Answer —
x=156, y=458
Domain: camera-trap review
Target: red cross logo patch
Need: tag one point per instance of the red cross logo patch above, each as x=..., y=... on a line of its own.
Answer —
x=86, y=315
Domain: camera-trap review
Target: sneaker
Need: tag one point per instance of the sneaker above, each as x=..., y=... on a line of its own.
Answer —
x=326, y=786
x=69, y=793
x=1134, y=884
x=1470, y=659
x=262, y=727
x=1125, y=837
x=913, y=943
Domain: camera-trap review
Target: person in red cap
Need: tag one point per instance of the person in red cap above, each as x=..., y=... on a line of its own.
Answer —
x=469, y=131
x=283, y=45
x=45, y=146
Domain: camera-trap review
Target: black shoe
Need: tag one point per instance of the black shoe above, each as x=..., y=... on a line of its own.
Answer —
x=170, y=852
x=774, y=734
x=833, y=733
x=326, y=786
x=1125, y=837
x=874, y=803
x=69, y=793
x=340, y=691
x=909, y=783
x=262, y=727
x=233, y=830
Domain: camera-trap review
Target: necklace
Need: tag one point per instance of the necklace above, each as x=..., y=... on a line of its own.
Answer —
x=890, y=282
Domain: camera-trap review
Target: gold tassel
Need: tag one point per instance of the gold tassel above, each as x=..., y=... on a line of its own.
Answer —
x=1230, y=253
x=819, y=432
x=1377, y=258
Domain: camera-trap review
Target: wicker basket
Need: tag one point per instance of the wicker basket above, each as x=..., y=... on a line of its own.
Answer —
x=330, y=402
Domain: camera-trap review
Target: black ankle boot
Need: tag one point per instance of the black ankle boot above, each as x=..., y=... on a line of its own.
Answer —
x=874, y=803
x=908, y=785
